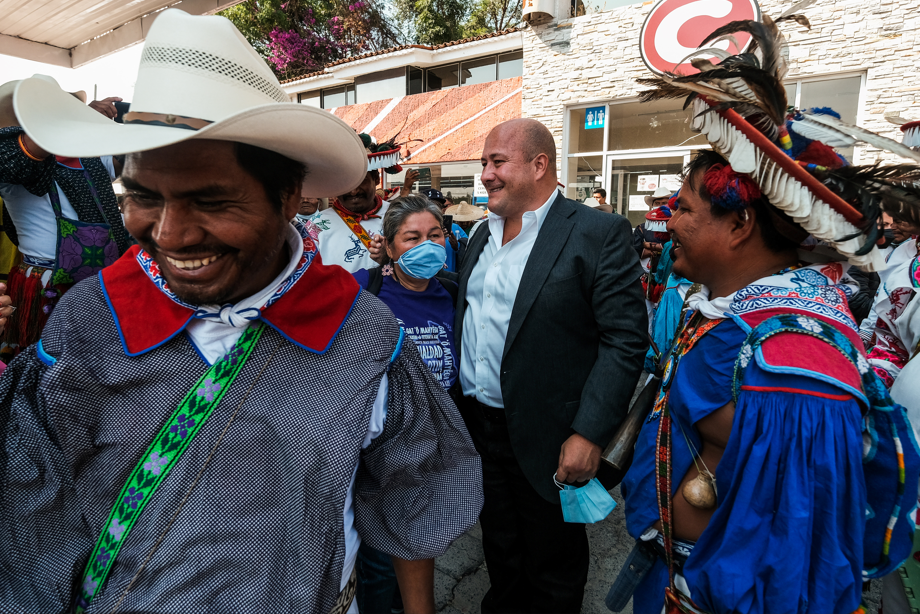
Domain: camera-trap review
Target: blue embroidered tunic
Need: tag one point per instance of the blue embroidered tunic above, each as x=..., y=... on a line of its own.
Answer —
x=787, y=533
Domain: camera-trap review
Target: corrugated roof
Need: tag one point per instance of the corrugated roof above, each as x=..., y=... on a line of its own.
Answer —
x=401, y=48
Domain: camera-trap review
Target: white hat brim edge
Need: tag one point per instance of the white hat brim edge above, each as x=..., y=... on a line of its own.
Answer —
x=332, y=151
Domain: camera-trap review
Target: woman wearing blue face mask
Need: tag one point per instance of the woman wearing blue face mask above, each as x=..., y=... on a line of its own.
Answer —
x=413, y=284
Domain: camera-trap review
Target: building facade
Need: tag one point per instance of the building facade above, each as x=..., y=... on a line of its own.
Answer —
x=440, y=102
x=860, y=58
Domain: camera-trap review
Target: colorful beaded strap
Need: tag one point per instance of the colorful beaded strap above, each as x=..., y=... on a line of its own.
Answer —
x=162, y=455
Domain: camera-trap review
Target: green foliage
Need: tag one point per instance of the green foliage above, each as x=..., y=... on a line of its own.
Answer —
x=490, y=16
x=66, y=227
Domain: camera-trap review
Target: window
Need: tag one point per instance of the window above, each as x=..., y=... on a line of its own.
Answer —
x=644, y=125
x=380, y=85
x=416, y=81
x=477, y=71
x=310, y=98
x=583, y=139
x=511, y=65
x=338, y=96
x=442, y=77
x=840, y=94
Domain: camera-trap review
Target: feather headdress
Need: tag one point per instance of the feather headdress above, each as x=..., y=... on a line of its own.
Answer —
x=740, y=105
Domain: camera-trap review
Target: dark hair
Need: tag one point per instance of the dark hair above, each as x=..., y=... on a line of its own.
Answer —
x=404, y=206
x=279, y=175
x=768, y=216
x=601, y=191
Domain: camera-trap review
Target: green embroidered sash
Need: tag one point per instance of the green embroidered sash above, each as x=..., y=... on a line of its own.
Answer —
x=160, y=458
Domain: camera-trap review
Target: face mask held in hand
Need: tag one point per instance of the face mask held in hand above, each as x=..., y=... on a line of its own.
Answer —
x=423, y=261
x=589, y=503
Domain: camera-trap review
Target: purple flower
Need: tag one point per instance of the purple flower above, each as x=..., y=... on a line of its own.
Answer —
x=116, y=529
x=134, y=496
x=183, y=424
x=85, y=271
x=111, y=253
x=103, y=556
x=92, y=235
x=47, y=309
x=71, y=255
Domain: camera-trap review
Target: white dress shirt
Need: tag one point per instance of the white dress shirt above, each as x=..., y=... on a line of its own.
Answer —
x=490, y=295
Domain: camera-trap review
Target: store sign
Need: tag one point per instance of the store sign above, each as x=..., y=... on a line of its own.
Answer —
x=676, y=28
x=594, y=117
x=480, y=195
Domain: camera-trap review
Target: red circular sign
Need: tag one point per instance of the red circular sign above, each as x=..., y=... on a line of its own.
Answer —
x=675, y=28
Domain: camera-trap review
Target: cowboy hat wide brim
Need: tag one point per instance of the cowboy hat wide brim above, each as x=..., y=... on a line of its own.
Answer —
x=334, y=155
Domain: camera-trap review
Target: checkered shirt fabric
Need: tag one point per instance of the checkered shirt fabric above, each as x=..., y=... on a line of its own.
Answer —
x=263, y=530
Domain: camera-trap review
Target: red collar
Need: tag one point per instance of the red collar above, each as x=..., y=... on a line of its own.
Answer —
x=310, y=314
x=360, y=217
x=73, y=163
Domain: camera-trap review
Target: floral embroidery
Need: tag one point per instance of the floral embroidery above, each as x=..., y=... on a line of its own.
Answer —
x=745, y=355
x=184, y=423
x=89, y=585
x=156, y=463
x=809, y=324
x=134, y=497
x=207, y=391
x=386, y=270
x=116, y=529
x=103, y=555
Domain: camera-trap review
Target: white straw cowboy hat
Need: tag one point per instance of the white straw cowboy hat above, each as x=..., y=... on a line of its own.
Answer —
x=198, y=79
x=7, y=115
x=465, y=212
x=661, y=192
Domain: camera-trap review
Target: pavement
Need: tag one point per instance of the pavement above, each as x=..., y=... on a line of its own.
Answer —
x=461, y=579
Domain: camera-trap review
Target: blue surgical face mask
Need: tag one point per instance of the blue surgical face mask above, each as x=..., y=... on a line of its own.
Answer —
x=423, y=261
x=303, y=218
x=589, y=503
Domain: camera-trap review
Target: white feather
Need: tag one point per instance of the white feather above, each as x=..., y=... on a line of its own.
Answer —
x=819, y=132
x=863, y=135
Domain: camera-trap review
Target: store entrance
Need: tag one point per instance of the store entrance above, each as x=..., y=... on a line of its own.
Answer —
x=633, y=178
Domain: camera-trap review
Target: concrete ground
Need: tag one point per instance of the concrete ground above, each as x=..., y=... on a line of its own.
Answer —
x=461, y=578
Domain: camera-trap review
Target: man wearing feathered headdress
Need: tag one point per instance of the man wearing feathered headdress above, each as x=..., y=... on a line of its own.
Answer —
x=347, y=227
x=774, y=472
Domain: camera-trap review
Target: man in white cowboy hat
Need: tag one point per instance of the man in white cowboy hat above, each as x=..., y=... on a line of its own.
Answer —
x=60, y=211
x=348, y=225
x=216, y=421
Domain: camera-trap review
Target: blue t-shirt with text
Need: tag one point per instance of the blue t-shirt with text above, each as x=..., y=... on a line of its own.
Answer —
x=428, y=319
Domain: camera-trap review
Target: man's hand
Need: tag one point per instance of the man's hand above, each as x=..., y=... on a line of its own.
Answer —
x=452, y=238
x=106, y=106
x=377, y=249
x=6, y=310
x=578, y=460
x=411, y=178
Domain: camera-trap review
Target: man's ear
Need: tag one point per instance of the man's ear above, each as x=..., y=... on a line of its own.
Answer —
x=290, y=203
x=743, y=227
x=541, y=165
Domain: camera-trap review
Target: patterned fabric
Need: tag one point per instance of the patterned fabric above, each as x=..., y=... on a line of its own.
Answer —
x=359, y=217
x=820, y=289
x=152, y=269
x=162, y=455
x=896, y=333
x=264, y=527
x=37, y=177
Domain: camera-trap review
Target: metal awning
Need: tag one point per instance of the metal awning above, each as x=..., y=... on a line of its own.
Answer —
x=72, y=33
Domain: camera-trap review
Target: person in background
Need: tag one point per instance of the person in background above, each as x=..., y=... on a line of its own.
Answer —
x=456, y=233
x=644, y=241
x=600, y=195
x=411, y=284
x=43, y=195
x=901, y=248
x=311, y=207
x=465, y=215
x=347, y=227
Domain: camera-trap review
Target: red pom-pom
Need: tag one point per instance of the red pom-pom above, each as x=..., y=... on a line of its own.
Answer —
x=730, y=189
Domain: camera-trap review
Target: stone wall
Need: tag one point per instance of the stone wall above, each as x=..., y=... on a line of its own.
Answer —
x=596, y=58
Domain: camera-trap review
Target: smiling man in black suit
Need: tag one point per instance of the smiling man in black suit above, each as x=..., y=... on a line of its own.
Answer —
x=552, y=326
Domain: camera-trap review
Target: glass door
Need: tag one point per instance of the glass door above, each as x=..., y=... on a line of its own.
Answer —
x=633, y=178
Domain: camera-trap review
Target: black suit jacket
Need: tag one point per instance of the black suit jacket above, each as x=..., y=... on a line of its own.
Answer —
x=576, y=339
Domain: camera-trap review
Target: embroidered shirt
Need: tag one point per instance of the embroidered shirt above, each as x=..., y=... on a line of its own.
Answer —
x=339, y=245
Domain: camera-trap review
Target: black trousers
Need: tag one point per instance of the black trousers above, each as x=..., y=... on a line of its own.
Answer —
x=537, y=562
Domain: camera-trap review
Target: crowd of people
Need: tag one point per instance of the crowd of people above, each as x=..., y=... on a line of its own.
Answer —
x=268, y=383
